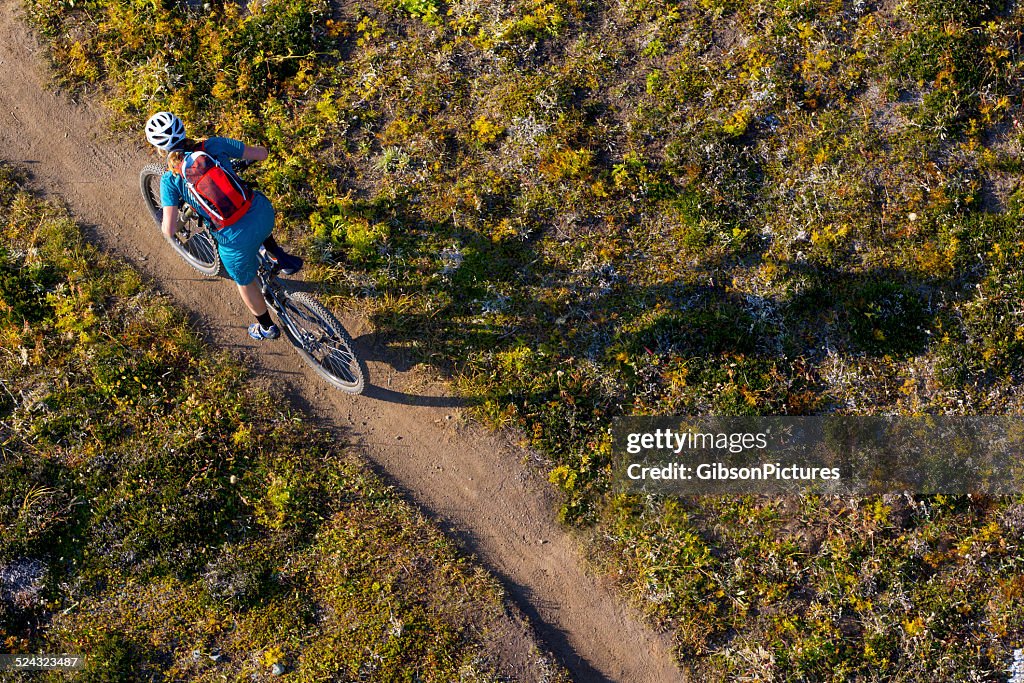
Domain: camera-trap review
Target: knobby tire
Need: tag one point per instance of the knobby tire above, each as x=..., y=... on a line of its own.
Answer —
x=339, y=366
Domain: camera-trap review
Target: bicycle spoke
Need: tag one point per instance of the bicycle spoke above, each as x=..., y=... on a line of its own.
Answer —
x=198, y=245
x=315, y=320
x=336, y=358
x=323, y=343
x=327, y=340
x=341, y=367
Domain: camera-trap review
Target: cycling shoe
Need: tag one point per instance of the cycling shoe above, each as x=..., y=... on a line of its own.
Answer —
x=257, y=332
x=287, y=263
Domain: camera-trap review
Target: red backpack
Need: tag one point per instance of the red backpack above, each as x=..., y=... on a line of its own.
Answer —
x=218, y=191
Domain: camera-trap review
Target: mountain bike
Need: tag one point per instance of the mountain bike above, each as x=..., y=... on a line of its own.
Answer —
x=316, y=334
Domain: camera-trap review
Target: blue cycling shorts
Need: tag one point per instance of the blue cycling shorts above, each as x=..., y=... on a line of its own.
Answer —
x=239, y=244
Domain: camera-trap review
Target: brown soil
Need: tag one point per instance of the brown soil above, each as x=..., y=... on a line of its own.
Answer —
x=481, y=488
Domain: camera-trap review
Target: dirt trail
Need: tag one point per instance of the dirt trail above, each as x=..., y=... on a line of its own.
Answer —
x=472, y=481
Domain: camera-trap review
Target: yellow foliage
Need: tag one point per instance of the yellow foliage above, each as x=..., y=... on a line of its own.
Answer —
x=221, y=90
x=504, y=230
x=738, y=122
x=913, y=626
x=486, y=130
x=272, y=656
x=241, y=435
x=80, y=64
x=567, y=163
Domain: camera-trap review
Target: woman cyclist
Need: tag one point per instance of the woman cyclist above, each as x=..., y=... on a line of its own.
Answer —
x=238, y=242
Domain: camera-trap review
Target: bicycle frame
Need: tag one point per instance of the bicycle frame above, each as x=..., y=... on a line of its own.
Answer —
x=276, y=295
x=274, y=291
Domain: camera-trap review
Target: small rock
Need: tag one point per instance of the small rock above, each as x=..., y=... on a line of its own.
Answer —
x=234, y=479
x=21, y=583
x=277, y=670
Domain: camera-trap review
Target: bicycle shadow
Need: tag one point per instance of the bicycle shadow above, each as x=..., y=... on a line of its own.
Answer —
x=379, y=393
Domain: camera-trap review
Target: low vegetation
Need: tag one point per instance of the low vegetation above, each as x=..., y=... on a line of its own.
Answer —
x=587, y=209
x=166, y=518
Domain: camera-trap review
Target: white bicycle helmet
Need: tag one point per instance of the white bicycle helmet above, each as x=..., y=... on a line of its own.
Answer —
x=164, y=130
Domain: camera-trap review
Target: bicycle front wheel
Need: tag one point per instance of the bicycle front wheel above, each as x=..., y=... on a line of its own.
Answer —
x=323, y=343
x=193, y=242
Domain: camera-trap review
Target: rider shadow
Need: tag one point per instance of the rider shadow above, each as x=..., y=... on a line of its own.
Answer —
x=373, y=347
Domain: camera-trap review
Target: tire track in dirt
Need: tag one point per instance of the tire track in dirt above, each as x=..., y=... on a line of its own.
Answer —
x=474, y=482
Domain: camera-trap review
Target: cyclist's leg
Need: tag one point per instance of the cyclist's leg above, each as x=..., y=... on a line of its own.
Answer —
x=272, y=247
x=239, y=249
x=252, y=296
x=242, y=265
x=289, y=263
x=264, y=327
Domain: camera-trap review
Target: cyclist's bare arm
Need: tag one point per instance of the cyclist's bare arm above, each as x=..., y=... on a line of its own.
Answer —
x=169, y=225
x=254, y=153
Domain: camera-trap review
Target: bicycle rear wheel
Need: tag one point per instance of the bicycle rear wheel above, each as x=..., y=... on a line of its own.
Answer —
x=193, y=241
x=323, y=343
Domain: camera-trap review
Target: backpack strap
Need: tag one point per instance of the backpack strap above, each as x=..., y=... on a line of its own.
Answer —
x=189, y=159
x=224, y=184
